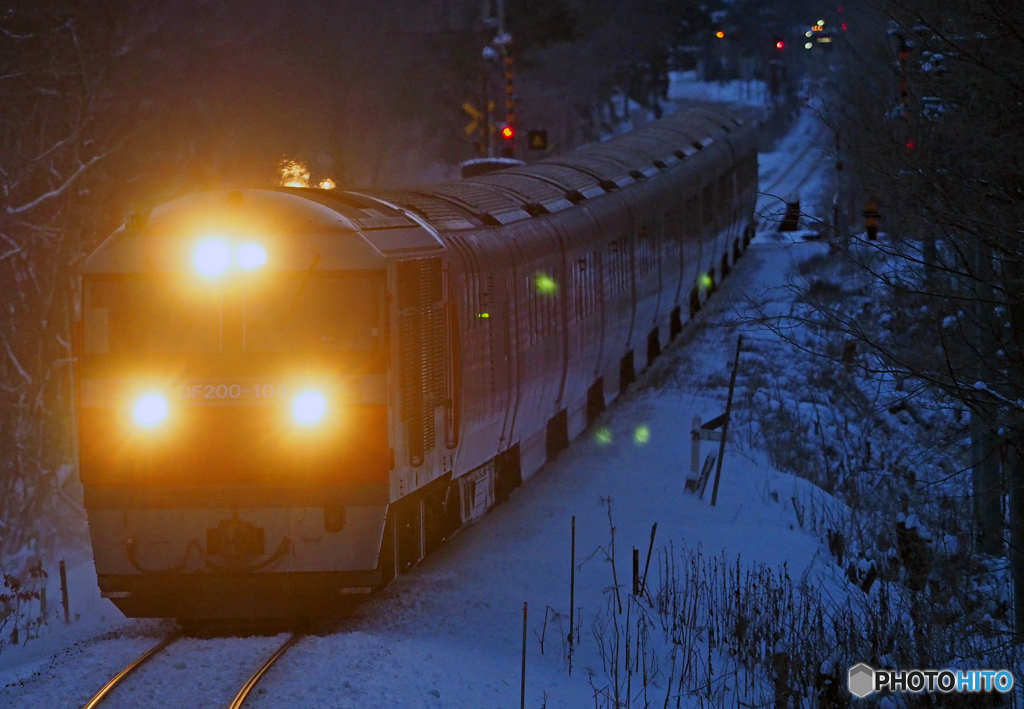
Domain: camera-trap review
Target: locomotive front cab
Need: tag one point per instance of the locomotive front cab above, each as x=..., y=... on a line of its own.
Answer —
x=233, y=418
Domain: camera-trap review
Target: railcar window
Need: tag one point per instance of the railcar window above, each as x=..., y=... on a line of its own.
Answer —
x=301, y=313
x=146, y=315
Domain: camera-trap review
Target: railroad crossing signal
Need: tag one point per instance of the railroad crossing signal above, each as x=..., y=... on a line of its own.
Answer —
x=477, y=124
x=537, y=139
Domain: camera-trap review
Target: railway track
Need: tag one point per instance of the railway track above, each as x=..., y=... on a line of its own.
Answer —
x=774, y=197
x=240, y=696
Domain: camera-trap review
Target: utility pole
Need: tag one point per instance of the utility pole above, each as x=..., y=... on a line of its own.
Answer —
x=487, y=22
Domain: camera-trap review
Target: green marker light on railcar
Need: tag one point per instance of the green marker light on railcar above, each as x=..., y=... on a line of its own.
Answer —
x=642, y=434
x=546, y=285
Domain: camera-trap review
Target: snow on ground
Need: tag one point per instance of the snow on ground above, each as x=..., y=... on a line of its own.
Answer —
x=449, y=633
x=685, y=85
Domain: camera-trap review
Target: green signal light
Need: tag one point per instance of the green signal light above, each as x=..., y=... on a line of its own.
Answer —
x=705, y=281
x=642, y=435
x=483, y=315
x=603, y=436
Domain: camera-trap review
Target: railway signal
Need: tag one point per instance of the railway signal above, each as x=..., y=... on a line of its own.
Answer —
x=508, y=134
x=871, y=217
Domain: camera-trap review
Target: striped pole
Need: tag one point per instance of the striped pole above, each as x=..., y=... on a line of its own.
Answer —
x=510, y=101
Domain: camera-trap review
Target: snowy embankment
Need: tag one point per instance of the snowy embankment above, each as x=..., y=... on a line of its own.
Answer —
x=449, y=633
x=684, y=85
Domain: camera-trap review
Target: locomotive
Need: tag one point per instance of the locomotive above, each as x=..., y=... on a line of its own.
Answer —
x=290, y=395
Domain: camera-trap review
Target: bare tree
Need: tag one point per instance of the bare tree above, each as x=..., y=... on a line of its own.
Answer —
x=927, y=109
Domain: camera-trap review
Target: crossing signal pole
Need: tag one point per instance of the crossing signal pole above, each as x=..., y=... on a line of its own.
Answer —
x=496, y=50
x=509, y=132
x=502, y=41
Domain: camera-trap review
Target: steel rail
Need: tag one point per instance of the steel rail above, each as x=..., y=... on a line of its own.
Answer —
x=239, y=699
x=116, y=680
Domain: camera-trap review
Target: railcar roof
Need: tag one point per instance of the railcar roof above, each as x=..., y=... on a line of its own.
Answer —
x=552, y=184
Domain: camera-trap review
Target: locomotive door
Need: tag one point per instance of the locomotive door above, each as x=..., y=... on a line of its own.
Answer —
x=426, y=371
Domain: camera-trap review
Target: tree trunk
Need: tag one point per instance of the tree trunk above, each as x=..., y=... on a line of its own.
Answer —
x=1017, y=535
x=987, y=492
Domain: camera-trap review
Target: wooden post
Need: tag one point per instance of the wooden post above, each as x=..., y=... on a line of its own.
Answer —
x=636, y=572
x=647, y=565
x=725, y=426
x=522, y=682
x=695, y=446
x=64, y=592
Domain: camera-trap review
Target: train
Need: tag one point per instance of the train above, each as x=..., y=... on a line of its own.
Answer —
x=286, y=397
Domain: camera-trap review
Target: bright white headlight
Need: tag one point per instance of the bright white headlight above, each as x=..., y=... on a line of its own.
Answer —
x=309, y=407
x=150, y=410
x=251, y=256
x=211, y=258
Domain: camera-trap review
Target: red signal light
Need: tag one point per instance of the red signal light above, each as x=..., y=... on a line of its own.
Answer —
x=508, y=132
x=910, y=146
x=844, y=26
x=779, y=44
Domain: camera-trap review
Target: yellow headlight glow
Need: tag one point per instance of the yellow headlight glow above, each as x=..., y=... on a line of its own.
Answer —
x=309, y=407
x=251, y=256
x=150, y=410
x=211, y=258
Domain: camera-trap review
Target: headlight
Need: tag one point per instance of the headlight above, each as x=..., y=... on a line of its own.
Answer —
x=211, y=258
x=309, y=407
x=150, y=410
x=251, y=256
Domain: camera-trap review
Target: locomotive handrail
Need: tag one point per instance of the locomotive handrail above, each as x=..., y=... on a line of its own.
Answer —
x=131, y=546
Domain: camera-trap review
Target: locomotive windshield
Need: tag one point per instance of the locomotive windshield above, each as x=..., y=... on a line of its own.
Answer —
x=317, y=313
x=149, y=315
x=302, y=313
